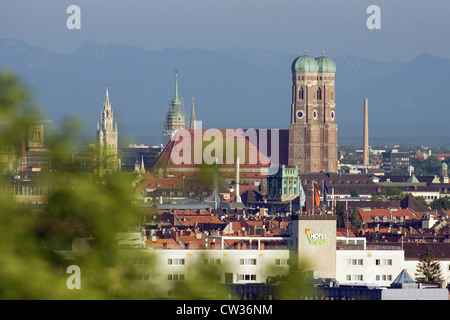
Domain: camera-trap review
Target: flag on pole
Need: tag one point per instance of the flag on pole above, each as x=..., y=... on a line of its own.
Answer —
x=302, y=196
x=316, y=196
x=325, y=193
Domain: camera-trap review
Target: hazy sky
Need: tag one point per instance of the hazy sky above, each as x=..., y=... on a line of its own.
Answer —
x=408, y=27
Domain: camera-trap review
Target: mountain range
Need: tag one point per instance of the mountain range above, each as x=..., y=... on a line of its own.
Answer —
x=232, y=88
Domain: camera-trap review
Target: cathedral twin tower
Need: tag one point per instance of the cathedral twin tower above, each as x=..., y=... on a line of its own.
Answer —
x=313, y=130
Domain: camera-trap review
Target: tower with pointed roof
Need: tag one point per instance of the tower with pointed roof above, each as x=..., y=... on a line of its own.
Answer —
x=107, y=137
x=192, y=124
x=175, y=116
x=313, y=129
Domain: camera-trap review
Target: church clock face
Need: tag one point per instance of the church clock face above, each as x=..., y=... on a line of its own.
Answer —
x=332, y=114
x=315, y=114
x=300, y=114
x=179, y=118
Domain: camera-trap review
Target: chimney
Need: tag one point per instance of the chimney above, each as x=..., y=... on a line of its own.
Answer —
x=236, y=191
x=366, y=132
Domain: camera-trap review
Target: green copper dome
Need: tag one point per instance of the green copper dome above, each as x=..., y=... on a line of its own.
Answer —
x=304, y=64
x=325, y=65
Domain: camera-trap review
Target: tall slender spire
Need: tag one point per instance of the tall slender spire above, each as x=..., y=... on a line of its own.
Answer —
x=107, y=95
x=175, y=99
x=193, y=116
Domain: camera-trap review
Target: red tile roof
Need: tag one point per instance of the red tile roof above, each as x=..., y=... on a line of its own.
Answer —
x=369, y=215
x=249, y=169
x=163, y=244
x=190, y=218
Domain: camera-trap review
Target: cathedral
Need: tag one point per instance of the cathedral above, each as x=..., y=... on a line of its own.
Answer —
x=308, y=145
x=313, y=130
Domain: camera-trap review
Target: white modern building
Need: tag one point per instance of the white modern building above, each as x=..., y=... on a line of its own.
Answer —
x=355, y=264
x=251, y=260
x=163, y=273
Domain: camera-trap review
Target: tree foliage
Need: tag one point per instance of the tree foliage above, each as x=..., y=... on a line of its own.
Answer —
x=341, y=213
x=356, y=220
x=426, y=167
x=440, y=203
x=75, y=226
x=428, y=269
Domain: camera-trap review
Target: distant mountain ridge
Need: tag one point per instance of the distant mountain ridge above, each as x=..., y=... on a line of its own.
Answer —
x=232, y=87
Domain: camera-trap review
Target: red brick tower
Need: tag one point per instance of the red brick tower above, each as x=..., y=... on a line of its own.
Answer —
x=313, y=129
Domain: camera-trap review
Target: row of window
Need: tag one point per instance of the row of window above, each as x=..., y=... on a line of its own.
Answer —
x=394, y=218
x=181, y=277
x=253, y=262
x=175, y=262
x=246, y=277
x=329, y=182
x=316, y=95
x=314, y=78
x=210, y=261
x=360, y=262
x=252, y=277
x=175, y=277
x=360, y=277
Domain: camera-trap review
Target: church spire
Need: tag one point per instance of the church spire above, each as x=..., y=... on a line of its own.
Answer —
x=107, y=95
x=175, y=99
x=193, y=116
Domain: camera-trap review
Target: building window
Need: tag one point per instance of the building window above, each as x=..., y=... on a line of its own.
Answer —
x=354, y=277
x=175, y=262
x=247, y=262
x=142, y=261
x=142, y=277
x=383, y=277
x=246, y=277
x=383, y=262
x=301, y=94
x=211, y=261
x=354, y=262
x=281, y=262
x=319, y=94
x=175, y=277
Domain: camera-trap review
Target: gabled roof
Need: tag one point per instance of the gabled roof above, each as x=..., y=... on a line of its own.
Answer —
x=416, y=206
x=251, y=196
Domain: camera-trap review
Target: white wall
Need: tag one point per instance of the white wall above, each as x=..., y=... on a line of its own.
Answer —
x=155, y=273
x=357, y=263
